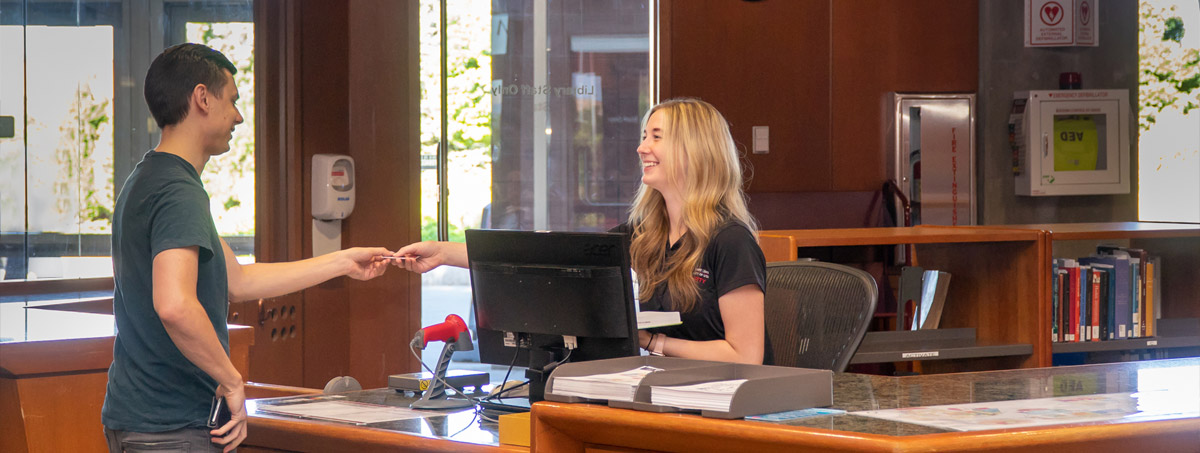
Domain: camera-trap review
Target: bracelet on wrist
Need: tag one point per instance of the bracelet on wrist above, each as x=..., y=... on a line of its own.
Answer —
x=657, y=343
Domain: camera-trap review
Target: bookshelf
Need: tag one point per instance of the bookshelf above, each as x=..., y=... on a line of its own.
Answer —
x=1178, y=245
x=989, y=292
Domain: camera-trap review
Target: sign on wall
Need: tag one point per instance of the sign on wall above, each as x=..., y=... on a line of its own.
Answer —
x=1061, y=23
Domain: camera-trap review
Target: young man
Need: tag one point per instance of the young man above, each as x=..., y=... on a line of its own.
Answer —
x=175, y=277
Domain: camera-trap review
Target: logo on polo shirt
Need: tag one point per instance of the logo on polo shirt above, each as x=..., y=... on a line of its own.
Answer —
x=701, y=275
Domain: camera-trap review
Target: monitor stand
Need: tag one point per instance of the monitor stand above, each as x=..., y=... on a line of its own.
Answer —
x=542, y=362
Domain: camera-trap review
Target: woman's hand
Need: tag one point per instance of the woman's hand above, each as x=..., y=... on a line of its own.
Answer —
x=425, y=256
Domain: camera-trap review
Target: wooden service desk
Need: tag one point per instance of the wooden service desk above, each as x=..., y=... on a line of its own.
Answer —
x=53, y=374
x=564, y=428
x=442, y=431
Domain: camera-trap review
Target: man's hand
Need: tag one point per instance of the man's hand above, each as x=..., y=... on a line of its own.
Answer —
x=365, y=263
x=421, y=257
x=234, y=432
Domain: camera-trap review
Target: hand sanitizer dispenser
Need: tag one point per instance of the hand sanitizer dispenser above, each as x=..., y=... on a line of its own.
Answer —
x=332, y=200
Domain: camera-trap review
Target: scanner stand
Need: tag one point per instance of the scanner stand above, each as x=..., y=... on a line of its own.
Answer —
x=435, y=396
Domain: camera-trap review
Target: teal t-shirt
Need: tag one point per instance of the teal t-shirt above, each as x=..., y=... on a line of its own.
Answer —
x=152, y=387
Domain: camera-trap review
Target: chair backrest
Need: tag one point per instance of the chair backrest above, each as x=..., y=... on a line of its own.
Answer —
x=816, y=313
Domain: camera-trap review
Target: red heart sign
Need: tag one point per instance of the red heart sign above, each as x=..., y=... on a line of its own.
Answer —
x=1051, y=13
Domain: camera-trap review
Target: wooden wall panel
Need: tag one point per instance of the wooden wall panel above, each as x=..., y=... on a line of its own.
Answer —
x=340, y=77
x=277, y=190
x=761, y=64
x=384, y=131
x=323, y=109
x=882, y=46
x=817, y=72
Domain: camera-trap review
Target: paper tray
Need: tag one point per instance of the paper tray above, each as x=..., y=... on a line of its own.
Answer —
x=589, y=368
x=768, y=389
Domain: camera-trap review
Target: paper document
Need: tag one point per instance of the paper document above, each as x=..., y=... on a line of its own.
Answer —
x=1114, y=407
x=652, y=319
x=342, y=411
x=795, y=414
x=712, y=396
x=612, y=386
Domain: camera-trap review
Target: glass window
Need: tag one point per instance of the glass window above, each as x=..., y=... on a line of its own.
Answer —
x=1168, y=145
x=543, y=103
x=79, y=124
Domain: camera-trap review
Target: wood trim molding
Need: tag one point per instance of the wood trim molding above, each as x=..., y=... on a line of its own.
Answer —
x=55, y=285
x=278, y=194
x=663, y=41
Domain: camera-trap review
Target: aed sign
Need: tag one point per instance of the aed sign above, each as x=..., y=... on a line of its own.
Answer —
x=1061, y=23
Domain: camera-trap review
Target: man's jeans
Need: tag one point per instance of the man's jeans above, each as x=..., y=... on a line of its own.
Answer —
x=186, y=440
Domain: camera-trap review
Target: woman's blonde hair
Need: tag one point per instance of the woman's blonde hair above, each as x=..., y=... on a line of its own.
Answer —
x=704, y=165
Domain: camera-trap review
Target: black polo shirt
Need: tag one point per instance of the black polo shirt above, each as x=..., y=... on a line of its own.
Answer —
x=731, y=260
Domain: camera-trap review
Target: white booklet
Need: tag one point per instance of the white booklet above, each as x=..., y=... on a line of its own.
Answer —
x=612, y=386
x=712, y=396
x=343, y=411
x=652, y=319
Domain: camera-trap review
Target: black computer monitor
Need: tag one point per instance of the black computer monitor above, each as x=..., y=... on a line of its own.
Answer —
x=534, y=290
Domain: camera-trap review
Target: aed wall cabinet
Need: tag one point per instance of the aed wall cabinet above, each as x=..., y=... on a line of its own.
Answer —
x=1070, y=142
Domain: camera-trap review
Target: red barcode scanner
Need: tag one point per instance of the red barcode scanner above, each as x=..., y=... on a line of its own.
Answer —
x=447, y=331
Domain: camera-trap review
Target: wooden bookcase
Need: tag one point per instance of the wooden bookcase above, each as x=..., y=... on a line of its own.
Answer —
x=1178, y=245
x=996, y=289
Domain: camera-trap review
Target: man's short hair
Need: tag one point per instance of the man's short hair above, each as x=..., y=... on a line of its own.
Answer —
x=176, y=72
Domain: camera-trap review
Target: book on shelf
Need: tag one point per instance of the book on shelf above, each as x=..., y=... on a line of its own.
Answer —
x=1133, y=256
x=1064, y=301
x=1112, y=295
x=1157, y=294
x=1103, y=297
x=1151, y=299
x=1073, y=292
x=1138, y=259
x=1121, y=287
x=619, y=386
x=1054, y=300
x=1088, y=300
x=1063, y=305
x=712, y=396
x=1094, y=298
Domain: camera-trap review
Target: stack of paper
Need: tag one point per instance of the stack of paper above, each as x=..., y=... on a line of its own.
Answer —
x=612, y=386
x=652, y=319
x=710, y=396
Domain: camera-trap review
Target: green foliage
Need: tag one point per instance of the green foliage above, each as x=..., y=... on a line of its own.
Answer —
x=78, y=191
x=1174, y=30
x=229, y=177
x=468, y=82
x=429, y=231
x=1169, y=73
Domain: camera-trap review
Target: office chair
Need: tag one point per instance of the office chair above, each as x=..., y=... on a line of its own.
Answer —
x=816, y=313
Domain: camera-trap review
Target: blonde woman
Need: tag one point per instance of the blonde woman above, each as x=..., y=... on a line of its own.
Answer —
x=693, y=242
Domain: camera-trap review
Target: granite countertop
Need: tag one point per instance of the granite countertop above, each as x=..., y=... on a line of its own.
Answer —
x=1179, y=378
x=461, y=425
